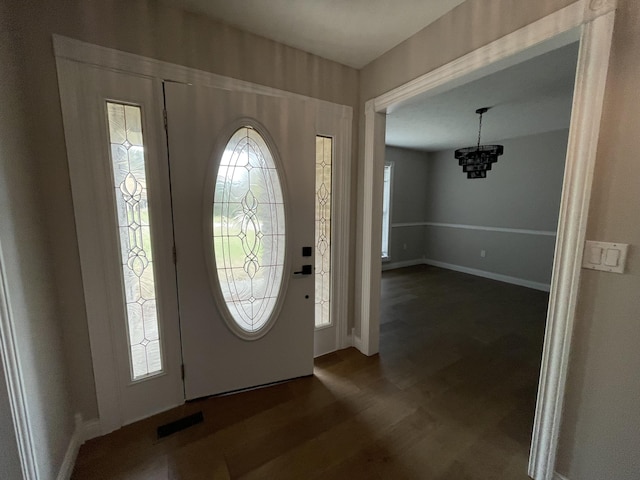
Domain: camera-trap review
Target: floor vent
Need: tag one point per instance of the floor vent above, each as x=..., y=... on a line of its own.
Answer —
x=180, y=424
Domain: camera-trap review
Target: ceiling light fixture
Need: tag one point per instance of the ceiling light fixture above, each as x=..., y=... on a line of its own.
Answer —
x=476, y=161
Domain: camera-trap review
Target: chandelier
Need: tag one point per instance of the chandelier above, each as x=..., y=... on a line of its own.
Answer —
x=476, y=161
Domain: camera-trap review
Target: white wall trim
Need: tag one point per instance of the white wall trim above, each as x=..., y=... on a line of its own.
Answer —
x=84, y=430
x=367, y=309
x=405, y=263
x=595, y=17
x=591, y=76
x=489, y=57
x=105, y=57
x=91, y=429
x=523, y=282
x=69, y=461
x=522, y=231
x=15, y=386
x=357, y=342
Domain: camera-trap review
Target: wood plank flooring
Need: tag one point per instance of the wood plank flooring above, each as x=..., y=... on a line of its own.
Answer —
x=451, y=396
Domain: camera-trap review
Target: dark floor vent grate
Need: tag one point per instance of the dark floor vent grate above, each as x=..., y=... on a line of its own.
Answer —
x=180, y=424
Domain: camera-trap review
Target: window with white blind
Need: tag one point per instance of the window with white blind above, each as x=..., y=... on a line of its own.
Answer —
x=386, y=209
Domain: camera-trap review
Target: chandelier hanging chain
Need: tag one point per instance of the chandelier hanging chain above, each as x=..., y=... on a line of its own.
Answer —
x=479, y=131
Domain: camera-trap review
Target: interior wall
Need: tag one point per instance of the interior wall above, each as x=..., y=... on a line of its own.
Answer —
x=153, y=29
x=522, y=191
x=408, y=200
x=29, y=287
x=600, y=435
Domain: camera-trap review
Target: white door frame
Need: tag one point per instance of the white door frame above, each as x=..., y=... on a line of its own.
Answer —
x=9, y=361
x=593, y=21
x=66, y=49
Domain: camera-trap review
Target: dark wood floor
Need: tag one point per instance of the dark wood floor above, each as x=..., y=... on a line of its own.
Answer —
x=451, y=396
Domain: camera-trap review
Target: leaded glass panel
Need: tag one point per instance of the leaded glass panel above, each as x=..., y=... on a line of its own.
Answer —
x=248, y=230
x=324, y=153
x=132, y=207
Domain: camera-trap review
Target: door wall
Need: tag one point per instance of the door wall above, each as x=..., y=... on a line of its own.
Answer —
x=152, y=29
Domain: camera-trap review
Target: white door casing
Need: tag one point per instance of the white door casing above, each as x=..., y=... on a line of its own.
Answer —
x=200, y=122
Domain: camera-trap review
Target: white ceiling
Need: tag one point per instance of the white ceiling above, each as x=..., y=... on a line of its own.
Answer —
x=528, y=98
x=351, y=32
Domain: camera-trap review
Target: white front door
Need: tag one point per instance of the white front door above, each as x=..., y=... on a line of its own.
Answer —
x=242, y=179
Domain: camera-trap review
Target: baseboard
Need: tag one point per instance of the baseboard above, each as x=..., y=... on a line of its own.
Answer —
x=405, y=263
x=557, y=476
x=91, y=429
x=69, y=461
x=545, y=287
x=348, y=341
x=83, y=431
x=357, y=342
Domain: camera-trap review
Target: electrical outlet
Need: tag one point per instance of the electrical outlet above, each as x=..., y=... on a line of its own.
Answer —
x=483, y=253
x=404, y=246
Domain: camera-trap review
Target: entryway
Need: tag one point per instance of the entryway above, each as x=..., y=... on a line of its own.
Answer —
x=198, y=244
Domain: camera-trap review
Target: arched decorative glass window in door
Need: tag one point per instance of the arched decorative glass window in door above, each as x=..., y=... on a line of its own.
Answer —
x=248, y=232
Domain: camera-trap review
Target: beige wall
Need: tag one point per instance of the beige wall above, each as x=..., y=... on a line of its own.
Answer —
x=28, y=270
x=601, y=431
x=155, y=30
x=522, y=191
x=408, y=202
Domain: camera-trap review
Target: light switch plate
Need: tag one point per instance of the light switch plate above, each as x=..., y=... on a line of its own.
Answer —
x=605, y=256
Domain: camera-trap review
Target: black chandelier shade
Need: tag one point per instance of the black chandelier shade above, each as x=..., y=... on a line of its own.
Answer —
x=476, y=161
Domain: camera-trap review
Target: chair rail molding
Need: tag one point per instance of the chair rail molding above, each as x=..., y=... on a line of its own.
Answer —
x=591, y=22
x=522, y=231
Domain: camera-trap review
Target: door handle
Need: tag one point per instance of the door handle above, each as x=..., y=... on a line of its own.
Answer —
x=306, y=270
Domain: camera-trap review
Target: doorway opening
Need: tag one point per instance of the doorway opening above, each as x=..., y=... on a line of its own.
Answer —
x=465, y=289
x=593, y=26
